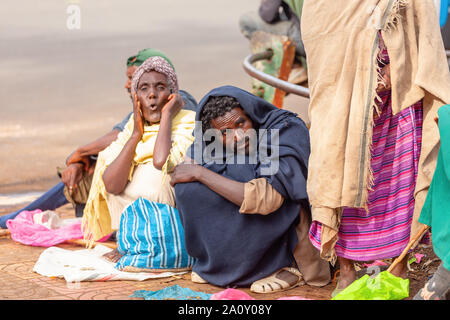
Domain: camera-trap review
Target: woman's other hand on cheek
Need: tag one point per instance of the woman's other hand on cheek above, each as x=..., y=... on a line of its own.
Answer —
x=173, y=105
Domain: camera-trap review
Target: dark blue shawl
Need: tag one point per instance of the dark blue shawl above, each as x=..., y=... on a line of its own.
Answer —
x=234, y=249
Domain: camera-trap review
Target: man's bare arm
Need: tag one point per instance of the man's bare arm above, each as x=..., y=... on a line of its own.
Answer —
x=82, y=153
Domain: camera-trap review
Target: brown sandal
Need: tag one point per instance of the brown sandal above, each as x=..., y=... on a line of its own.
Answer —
x=274, y=284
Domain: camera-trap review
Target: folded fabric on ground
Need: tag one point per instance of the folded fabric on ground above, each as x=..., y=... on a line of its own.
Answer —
x=86, y=265
x=172, y=293
x=179, y=293
x=43, y=229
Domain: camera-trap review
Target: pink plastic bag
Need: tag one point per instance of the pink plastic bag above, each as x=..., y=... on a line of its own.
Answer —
x=293, y=298
x=24, y=230
x=375, y=263
x=231, y=294
x=234, y=294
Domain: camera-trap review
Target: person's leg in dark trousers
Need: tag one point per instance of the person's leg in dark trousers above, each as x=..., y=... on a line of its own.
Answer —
x=52, y=199
x=79, y=208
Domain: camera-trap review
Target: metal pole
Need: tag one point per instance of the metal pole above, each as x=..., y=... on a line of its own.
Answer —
x=271, y=80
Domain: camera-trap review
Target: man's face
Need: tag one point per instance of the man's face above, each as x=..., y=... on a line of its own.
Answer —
x=233, y=126
x=129, y=74
x=153, y=92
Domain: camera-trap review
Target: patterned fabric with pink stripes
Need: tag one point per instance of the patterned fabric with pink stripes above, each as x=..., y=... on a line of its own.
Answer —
x=384, y=231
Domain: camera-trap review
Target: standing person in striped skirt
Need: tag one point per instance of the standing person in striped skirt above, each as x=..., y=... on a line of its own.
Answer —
x=378, y=74
x=383, y=231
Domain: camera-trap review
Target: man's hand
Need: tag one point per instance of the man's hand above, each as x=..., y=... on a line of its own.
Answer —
x=184, y=172
x=77, y=157
x=72, y=175
x=173, y=106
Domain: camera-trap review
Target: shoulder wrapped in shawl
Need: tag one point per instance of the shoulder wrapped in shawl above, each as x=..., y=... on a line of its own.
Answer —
x=233, y=248
x=96, y=217
x=341, y=38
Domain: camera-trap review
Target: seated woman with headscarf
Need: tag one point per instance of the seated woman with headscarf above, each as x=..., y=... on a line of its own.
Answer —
x=245, y=210
x=130, y=189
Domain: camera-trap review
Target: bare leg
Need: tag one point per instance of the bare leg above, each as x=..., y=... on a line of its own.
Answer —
x=347, y=273
x=401, y=269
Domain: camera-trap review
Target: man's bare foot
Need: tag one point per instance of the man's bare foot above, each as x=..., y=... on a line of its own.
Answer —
x=346, y=278
x=113, y=256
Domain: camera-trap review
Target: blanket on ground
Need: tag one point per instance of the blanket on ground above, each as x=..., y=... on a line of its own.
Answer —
x=87, y=265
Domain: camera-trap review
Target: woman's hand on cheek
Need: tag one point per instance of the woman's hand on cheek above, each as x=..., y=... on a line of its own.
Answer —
x=173, y=106
x=138, y=130
x=183, y=173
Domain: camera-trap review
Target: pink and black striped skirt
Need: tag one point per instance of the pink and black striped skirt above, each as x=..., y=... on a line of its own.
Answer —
x=383, y=232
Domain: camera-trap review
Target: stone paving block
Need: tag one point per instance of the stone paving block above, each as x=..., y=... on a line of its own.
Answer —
x=84, y=290
x=18, y=281
x=21, y=270
x=12, y=252
x=54, y=298
x=19, y=289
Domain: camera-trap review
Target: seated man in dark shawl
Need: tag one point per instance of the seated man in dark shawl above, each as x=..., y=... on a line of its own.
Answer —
x=245, y=210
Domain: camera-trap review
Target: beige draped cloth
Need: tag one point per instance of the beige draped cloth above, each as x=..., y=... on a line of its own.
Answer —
x=341, y=42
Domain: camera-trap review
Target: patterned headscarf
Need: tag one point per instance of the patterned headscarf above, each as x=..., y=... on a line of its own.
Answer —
x=157, y=64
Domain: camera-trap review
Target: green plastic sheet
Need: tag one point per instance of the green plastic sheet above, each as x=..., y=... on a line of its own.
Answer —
x=384, y=286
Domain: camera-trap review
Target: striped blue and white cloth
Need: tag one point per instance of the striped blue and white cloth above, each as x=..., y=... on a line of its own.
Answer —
x=151, y=237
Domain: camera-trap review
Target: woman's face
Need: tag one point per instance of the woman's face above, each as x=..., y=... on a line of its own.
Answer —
x=233, y=125
x=153, y=92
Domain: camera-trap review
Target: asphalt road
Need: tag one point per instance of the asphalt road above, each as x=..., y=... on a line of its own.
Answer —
x=62, y=88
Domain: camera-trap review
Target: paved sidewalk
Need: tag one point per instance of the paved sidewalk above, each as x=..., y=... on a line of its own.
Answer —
x=18, y=281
